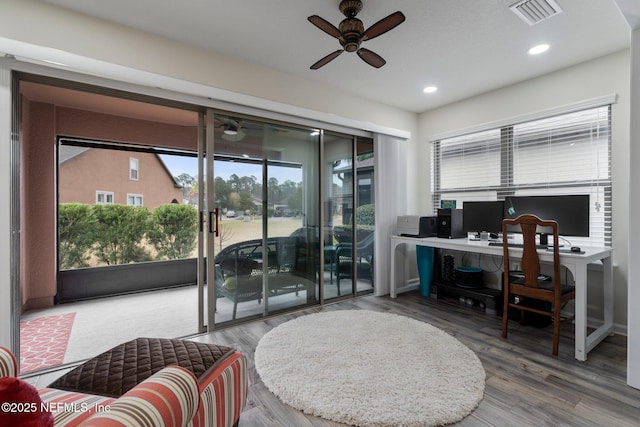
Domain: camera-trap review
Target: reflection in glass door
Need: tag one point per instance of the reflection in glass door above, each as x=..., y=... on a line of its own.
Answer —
x=349, y=205
x=338, y=190
x=265, y=185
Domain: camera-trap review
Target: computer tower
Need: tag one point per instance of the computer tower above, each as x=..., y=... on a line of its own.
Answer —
x=428, y=226
x=450, y=224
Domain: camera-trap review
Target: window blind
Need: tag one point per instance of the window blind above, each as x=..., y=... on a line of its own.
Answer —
x=564, y=154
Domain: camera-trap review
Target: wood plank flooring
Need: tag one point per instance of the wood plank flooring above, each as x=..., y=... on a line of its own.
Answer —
x=525, y=385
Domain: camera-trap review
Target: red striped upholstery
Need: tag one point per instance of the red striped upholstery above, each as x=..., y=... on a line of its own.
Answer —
x=71, y=409
x=223, y=393
x=8, y=363
x=168, y=398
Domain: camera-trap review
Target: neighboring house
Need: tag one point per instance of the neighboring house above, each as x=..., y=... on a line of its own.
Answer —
x=100, y=176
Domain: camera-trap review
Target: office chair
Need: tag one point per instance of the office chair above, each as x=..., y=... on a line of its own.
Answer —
x=529, y=285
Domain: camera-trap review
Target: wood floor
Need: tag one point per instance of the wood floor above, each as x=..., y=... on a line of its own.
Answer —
x=525, y=385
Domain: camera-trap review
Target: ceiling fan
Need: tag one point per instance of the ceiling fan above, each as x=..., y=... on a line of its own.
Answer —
x=351, y=33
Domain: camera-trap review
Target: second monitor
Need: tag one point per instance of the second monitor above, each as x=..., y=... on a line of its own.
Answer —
x=485, y=216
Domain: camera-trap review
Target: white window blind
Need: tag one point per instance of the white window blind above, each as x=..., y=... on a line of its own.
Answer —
x=565, y=154
x=470, y=162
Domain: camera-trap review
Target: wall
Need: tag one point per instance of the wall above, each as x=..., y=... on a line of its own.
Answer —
x=600, y=77
x=108, y=170
x=37, y=218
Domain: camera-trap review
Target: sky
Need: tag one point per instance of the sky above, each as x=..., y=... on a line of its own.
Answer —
x=181, y=164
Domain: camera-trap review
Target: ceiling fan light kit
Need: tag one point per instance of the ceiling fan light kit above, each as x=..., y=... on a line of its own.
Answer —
x=351, y=33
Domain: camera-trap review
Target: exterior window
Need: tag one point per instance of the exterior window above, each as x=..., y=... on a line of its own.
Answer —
x=134, y=199
x=564, y=154
x=133, y=169
x=104, y=197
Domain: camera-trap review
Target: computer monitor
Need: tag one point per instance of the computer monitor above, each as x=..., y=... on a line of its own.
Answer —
x=570, y=211
x=482, y=216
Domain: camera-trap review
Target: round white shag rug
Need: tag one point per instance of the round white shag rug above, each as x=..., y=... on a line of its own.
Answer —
x=367, y=368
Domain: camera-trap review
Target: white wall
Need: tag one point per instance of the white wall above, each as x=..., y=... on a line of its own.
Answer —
x=593, y=79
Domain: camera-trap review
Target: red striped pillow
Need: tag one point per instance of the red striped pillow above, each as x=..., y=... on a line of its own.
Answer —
x=168, y=398
x=223, y=392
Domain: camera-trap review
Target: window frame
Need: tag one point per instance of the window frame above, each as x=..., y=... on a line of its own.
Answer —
x=106, y=195
x=134, y=169
x=135, y=198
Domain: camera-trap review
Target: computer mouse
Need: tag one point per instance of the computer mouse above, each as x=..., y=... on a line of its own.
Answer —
x=575, y=249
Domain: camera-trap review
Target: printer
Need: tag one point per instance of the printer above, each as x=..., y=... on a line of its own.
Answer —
x=417, y=226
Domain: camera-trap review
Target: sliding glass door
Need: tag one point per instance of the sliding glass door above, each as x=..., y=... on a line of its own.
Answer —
x=265, y=189
x=175, y=218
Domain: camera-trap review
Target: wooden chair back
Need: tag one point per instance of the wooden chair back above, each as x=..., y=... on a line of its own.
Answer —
x=529, y=225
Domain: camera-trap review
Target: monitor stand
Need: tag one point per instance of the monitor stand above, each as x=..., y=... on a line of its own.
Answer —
x=544, y=241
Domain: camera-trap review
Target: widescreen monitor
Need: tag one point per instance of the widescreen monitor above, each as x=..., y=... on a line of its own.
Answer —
x=482, y=216
x=570, y=211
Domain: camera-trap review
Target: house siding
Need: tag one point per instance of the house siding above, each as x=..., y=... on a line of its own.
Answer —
x=101, y=170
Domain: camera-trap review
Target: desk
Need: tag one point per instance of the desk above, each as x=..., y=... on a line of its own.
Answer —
x=576, y=263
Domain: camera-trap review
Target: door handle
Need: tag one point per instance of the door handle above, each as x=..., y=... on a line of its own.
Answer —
x=214, y=224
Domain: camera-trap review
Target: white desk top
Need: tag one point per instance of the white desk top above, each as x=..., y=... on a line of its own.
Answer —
x=591, y=253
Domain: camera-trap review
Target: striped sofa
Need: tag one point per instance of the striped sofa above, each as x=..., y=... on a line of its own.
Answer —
x=138, y=374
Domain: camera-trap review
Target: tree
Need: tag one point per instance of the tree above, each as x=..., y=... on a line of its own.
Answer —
x=173, y=230
x=119, y=232
x=224, y=233
x=187, y=181
x=295, y=199
x=273, y=190
x=75, y=230
x=222, y=189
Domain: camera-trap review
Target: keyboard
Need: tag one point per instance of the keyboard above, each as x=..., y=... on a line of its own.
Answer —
x=516, y=245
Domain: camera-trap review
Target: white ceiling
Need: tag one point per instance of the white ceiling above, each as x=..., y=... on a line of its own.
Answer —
x=465, y=47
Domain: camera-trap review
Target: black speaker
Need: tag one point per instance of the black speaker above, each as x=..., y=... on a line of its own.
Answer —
x=428, y=226
x=450, y=224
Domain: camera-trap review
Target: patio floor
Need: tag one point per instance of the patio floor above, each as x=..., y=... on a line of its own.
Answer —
x=103, y=323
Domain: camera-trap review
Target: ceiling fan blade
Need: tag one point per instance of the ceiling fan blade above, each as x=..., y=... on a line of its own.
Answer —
x=327, y=59
x=383, y=25
x=325, y=26
x=371, y=58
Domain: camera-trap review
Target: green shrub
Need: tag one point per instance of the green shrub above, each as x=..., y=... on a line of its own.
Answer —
x=173, y=230
x=119, y=232
x=75, y=230
x=366, y=215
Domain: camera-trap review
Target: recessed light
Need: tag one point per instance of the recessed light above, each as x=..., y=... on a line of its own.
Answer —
x=536, y=50
x=430, y=89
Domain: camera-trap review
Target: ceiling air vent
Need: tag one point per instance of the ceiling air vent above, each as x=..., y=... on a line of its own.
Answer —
x=535, y=11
